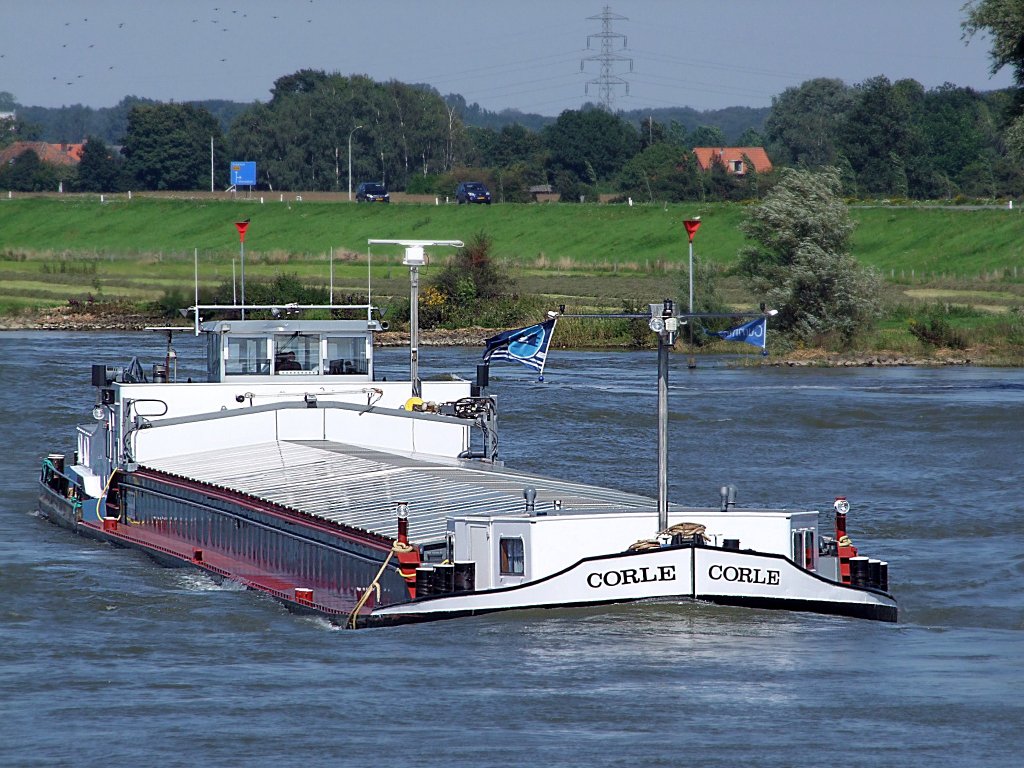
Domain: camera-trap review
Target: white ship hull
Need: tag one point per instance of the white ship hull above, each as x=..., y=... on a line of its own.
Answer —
x=684, y=572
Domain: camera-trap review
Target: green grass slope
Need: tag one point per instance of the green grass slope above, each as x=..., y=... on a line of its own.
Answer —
x=53, y=248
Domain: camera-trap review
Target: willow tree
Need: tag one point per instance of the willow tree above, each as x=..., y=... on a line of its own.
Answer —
x=799, y=261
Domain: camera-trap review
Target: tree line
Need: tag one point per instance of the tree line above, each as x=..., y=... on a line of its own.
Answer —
x=886, y=139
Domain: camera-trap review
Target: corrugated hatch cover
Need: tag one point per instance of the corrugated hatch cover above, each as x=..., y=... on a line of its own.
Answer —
x=359, y=487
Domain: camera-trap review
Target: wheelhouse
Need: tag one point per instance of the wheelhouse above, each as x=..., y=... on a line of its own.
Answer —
x=267, y=350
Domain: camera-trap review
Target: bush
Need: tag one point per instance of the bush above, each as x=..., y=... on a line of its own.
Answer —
x=172, y=300
x=468, y=289
x=933, y=329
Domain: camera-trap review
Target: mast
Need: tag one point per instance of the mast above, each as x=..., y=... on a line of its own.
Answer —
x=664, y=323
x=415, y=258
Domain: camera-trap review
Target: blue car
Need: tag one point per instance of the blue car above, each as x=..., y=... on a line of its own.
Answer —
x=472, y=192
x=371, y=192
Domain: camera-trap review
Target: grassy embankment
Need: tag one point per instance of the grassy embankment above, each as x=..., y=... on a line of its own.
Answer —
x=593, y=256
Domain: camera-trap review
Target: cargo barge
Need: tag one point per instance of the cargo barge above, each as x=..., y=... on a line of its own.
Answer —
x=295, y=471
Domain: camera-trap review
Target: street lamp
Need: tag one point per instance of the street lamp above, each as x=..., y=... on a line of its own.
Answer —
x=350, y=160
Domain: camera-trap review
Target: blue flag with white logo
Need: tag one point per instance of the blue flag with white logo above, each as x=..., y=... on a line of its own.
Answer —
x=755, y=332
x=528, y=346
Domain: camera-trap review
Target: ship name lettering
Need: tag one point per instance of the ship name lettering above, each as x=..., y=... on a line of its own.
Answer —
x=631, y=576
x=743, y=574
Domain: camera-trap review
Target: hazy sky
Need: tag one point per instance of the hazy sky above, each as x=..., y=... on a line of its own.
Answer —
x=523, y=54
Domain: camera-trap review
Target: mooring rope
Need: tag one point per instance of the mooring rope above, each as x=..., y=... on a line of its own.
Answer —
x=686, y=530
x=375, y=584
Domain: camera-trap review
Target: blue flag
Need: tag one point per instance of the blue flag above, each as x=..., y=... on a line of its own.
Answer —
x=755, y=332
x=528, y=346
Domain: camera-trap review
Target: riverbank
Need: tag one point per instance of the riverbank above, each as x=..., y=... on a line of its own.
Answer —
x=127, y=317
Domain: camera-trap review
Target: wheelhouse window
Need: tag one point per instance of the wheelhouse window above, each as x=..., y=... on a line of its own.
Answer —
x=513, y=559
x=346, y=355
x=246, y=356
x=296, y=353
x=804, y=548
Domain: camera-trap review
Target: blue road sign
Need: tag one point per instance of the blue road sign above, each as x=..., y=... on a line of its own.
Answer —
x=243, y=173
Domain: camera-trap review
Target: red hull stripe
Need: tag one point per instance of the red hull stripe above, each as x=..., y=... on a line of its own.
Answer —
x=241, y=571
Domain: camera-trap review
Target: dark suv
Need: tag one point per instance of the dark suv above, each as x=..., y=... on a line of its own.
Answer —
x=371, y=192
x=472, y=192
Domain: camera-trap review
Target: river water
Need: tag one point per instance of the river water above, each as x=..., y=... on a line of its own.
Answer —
x=107, y=659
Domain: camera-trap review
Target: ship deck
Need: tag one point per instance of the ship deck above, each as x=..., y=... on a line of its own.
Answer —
x=359, y=487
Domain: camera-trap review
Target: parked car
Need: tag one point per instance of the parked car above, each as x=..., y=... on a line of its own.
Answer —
x=371, y=192
x=472, y=192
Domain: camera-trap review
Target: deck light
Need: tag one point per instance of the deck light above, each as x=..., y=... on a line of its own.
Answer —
x=728, y=494
x=530, y=494
x=403, y=525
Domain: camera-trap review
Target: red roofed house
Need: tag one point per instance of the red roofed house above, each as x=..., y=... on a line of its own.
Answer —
x=58, y=154
x=735, y=159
